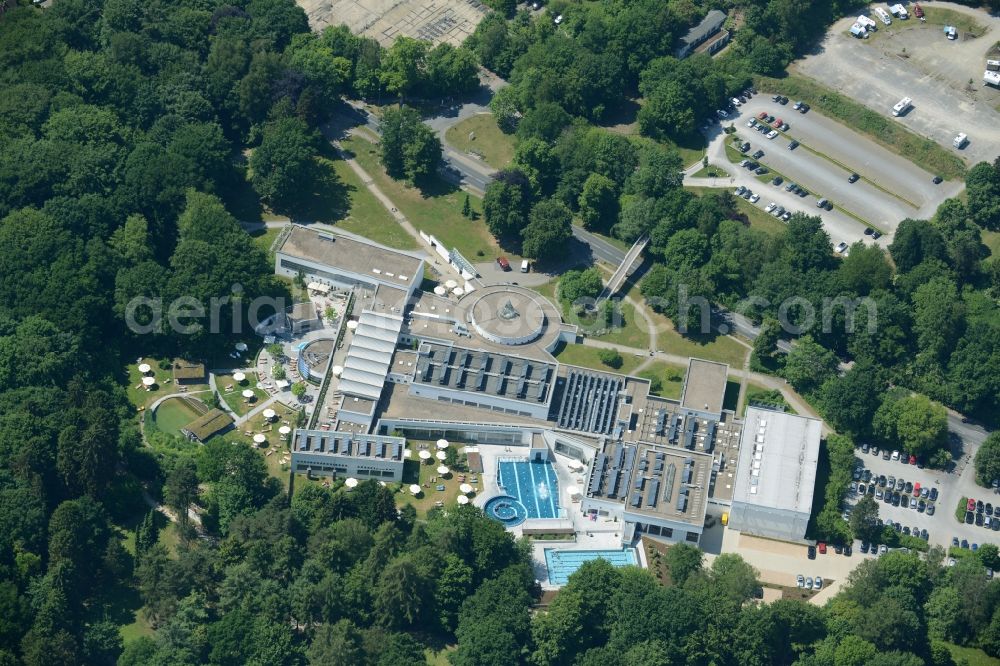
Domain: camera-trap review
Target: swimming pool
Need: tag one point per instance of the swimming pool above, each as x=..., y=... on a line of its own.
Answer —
x=533, y=484
x=506, y=510
x=563, y=563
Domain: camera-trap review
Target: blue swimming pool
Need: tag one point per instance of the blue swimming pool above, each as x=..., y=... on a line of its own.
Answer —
x=506, y=510
x=533, y=484
x=563, y=563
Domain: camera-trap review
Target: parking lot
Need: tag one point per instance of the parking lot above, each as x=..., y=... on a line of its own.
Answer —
x=890, y=189
x=909, y=59
x=436, y=21
x=942, y=526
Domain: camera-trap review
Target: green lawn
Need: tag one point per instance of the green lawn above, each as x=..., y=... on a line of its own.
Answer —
x=881, y=129
x=630, y=329
x=933, y=16
x=480, y=136
x=264, y=238
x=235, y=398
x=436, y=210
x=972, y=656
x=669, y=376
x=587, y=357
x=992, y=240
x=711, y=171
x=367, y=216
x=421, y=473
x=139, y=396
x=175, y=413
x=762, y=394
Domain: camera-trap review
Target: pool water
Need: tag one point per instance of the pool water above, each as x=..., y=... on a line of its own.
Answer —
x=562, y=564
x=506, y=510
x=533, y=484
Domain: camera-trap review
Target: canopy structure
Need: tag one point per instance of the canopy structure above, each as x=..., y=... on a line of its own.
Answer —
x=269, y=414
x=442, y=443
x=352, y=324
x=573, y=491
x=241, y=346
x=458, y=291
x=351, y=482
x=450, y=284
x=441, y=455
x=442, y=470
x=465, y=489
x=424, y=455
x=415, y=489
x=144, y=368
x=284, y=430
x=462, y=499
x=318, y=287
x=440, y=291
x=259, y=438
x=239, y=376
x=337, y=370
x=282, y=384
x=248, y=393
x=148, y=381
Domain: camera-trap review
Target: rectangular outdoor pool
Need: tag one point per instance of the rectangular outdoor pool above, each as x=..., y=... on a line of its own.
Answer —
x=533, y=484
x=563, y=563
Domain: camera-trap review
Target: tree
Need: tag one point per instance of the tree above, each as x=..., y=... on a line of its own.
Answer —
x=453, y=586
x=467, y=208
x=409, y=148
x=549, y=230
x=283, y=163
x=402, y=68
x=181, y=489
x=987, y=460
x=809, y=364
x=849, y=402
x=598, y=203
x=575, y=285
x=610, y=358
x=506, y=204
x=299, y=389
x=535, y=159
x=864, y=520
x=336, y=645
x=915, y=242
x=683, y=561
x=915, y=423
x=504, y=106
x=765, y=345
x=546, y=121
x=451, y=70
x=937, y=317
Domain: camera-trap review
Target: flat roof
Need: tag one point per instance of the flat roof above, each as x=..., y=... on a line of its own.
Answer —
x=704, y=385
x=349, y=444
x=184, y=369
x=362, y=257
x=369, y=355
x=712, y=22
x=653, y=481
x=777, y=461
x=302, y=311
x=484, y=372
x=399, y=405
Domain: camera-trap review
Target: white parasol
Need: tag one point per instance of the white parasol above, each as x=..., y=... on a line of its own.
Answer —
x=462, y=499
x=241, y=346
x=148, y=381
x=247, y=393
x=442, y=443
x=269, y=414
x=450, y=284
x=352, y=324
x=442, y=470
x=465, y=489
x=440, y=291
x=351, y=482
x=337, y=370
x=458, y=291
x=415, y=489
x=239, y=376
x=284, y=430
x=424, y=455
x=441, y=455
x=144, y=368
x=259, y=438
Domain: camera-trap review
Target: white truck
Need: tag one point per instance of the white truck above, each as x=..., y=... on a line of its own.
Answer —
x=902, y=106
x=899, y=11
x=882, y=15
x=867, y=22
x=960, y=140
x=951, y=32
x=991, y=78
x=993, y=65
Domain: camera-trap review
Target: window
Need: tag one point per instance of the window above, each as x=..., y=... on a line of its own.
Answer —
x=667, y=532
x=692, y=537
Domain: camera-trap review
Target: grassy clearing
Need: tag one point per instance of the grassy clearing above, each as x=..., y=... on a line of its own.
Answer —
x=629, y=329
x=722, y=348
x=992, y=240
x=587, y=357
x=754, y=216
x=666, y=379
x=264, y=238
x=234, y=399
x=367, y=216
x=711, y=171
x=437, y=209
x=487, y=141
x=933, y=16
x=972, y=656
x=767, y=396
x=880, y=129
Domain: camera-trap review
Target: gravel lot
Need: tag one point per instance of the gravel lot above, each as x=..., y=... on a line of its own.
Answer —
x=932, y=70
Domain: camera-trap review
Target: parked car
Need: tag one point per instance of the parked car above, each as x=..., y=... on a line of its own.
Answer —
x=822, y=547
x=759, y=154
x=970, y=505
x=841, y=247
x=783, y=100
x=800, y=581
x=784, y=127
x=797, y=105
x=817, y=583
x=954, y=541
x=908, y=488
x=787, y=215
x=754, y=198
x=965, y=544
x=812, y=552
x=767, y=209
x=777, y=180
x=853, y=178
x=848, y=550
x=793, y=145
x=989, y=509
x=937, y=180
x=762, y=115
x=772, y=134
x=804, y=108
x=930, y=509
x=751, y=122
x=760, y=171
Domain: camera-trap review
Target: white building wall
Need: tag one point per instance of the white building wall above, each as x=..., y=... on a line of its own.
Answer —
x=341, y=466
x=769, y=522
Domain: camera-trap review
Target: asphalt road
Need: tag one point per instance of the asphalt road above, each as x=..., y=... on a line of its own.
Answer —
x=600, y=248
x=934, y=73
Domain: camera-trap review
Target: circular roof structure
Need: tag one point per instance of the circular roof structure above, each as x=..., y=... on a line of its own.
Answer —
x=509, y=315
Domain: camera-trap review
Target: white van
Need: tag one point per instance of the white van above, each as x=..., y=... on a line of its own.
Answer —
x=960, y=140
x=525, y=266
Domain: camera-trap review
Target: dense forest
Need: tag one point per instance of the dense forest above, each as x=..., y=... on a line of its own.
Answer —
x=132, y=135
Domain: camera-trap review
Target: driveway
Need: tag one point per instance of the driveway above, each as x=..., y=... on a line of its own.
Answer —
x=917, y=62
